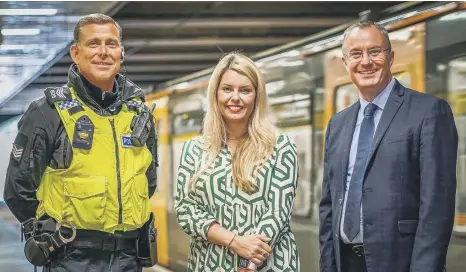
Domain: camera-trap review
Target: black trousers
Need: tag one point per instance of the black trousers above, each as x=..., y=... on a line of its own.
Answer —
x=94, y=260
x=350, y=261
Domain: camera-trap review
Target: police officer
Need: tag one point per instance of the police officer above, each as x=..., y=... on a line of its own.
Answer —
x=83, y=165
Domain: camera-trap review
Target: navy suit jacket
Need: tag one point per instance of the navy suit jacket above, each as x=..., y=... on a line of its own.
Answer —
x=409, y=187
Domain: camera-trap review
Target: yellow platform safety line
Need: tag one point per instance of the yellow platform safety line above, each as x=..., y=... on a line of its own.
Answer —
x=164, y=139
x=158, y=203
x=159, y=199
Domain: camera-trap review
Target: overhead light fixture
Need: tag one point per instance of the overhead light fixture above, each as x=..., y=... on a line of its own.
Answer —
x=20, y=31
x=26, y=12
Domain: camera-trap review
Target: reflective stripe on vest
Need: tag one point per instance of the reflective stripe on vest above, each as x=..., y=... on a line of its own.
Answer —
x=105, y=188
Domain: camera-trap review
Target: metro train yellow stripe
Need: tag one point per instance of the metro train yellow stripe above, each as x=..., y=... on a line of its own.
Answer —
x=159, y=199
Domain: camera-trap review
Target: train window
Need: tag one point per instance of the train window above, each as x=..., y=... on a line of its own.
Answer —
x=188, y=122
x=441, y=50
x=446, y=78
x=290, y=96
x=457, y=75
x=456, y=86
x=345, y=96
x=188, y=113
x=291, y=110
x=293, y=83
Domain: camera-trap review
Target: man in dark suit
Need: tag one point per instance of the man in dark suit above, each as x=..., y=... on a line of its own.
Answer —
x=388, y=196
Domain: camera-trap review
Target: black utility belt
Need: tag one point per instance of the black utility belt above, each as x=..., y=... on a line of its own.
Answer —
x=82, y=234
x=45, y=238
x=105, y=245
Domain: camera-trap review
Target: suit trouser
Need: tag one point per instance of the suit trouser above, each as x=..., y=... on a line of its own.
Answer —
x=94, y=260
x=350, y=261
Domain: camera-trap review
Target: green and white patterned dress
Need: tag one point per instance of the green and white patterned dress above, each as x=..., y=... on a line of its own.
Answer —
x=217, y=198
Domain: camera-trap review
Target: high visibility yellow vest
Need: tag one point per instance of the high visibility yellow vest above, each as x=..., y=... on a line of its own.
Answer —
x=105, y=188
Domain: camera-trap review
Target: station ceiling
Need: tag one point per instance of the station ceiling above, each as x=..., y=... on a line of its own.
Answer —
x=162, y=40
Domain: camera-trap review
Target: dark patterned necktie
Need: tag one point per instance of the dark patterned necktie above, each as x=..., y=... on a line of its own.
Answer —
x=352, y=225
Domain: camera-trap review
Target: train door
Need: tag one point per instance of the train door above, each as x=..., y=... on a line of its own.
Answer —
x=289, y=88
x=292, y=112
x=456, y=87
x=446, y=78
x=186, y=112
x=295, y=89
x=159, y=199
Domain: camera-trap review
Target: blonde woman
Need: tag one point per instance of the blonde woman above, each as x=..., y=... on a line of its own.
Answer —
x=236, y=182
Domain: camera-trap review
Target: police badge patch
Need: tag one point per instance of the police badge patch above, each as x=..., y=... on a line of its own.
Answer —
x=126, y=141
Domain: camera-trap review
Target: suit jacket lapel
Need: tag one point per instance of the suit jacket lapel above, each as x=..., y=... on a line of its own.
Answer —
x=347, y=137
x=393, y=104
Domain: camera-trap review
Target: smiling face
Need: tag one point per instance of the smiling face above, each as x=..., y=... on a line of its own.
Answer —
x=369, y=73
x=235, y=97
x=98, y=54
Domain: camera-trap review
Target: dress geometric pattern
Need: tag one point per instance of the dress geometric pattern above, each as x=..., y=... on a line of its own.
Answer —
x=215, y=197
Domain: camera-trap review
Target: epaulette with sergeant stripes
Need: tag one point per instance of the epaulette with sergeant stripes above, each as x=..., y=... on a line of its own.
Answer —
x=63, y=95
x=56, y=94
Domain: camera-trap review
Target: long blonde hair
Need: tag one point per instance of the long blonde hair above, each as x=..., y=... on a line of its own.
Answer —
x=258, y=144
